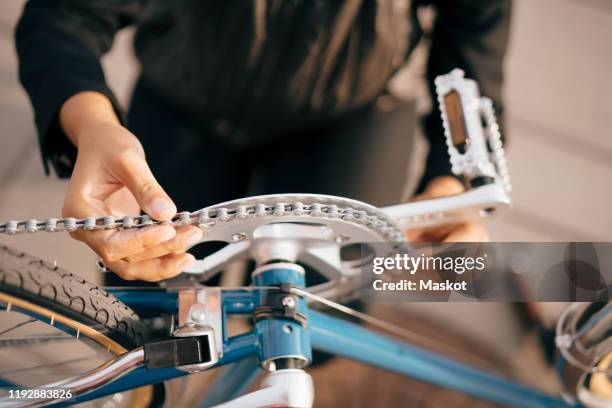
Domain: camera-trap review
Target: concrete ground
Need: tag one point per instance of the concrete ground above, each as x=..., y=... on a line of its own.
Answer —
x=560, y=155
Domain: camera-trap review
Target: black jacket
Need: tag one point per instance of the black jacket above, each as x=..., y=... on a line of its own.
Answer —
x=269, y=65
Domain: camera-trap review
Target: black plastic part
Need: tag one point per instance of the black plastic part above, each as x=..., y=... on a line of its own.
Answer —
x=276, y=260
x=288, y=363
x=177, y=352
x=273, y=307
x=481, y=181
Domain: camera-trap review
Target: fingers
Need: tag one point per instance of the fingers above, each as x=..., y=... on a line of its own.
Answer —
x=122, y=203
x=113, y=245
x=185, y=237
x=465, y=232
x=424, y=235
x=413, y=235
x=152, y=270
x=117, y=244
x=468, y=232
x=442, y=186
x=134, y=172
x=158, y=262
x=148, y=254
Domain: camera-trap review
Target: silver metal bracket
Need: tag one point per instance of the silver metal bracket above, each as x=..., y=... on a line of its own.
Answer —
x=200, y=315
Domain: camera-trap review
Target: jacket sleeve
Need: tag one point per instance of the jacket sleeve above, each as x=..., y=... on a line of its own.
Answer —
x=59, y=44
x=471, y=35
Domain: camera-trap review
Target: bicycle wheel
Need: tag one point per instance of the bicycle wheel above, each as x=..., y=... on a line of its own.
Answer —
x=54, y=325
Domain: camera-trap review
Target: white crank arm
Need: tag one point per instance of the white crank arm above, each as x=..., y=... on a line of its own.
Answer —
x=474, y=204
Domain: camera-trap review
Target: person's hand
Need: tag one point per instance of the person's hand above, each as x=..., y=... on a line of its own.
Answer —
x=111, y=177
x=463, y=232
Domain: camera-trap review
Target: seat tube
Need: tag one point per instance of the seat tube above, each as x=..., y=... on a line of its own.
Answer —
x=281, y=317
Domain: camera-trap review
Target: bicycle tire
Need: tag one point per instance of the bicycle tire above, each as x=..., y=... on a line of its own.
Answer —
x=53, y=288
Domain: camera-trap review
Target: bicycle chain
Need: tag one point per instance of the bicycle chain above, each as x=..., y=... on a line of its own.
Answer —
x=209, y=218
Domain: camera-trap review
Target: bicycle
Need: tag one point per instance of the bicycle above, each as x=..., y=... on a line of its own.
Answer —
x=279, y=232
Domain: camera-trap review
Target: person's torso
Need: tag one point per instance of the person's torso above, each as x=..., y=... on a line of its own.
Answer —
x=282, y=60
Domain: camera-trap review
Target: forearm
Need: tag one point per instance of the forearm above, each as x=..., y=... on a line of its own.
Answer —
x=75, y=34
x=84, y=109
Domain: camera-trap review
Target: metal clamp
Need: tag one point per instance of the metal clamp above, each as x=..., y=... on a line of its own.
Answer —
x=199, y=337
x=281, y=304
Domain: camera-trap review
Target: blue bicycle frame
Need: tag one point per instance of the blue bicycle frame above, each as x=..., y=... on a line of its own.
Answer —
x=271, y=338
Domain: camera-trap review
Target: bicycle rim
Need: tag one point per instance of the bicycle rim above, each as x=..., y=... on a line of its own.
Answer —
x=102, y=347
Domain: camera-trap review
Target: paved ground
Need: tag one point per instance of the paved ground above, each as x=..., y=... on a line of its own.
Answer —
x=558, y=89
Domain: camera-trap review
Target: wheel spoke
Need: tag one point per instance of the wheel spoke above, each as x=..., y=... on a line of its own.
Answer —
x=51, y=365
x=18, y=325
x=18, y=341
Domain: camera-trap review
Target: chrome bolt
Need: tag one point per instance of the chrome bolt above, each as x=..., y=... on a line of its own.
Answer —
x=564, y=341
x=341, y=238
x=241, y=236
x=197, y=313
x=289, y=302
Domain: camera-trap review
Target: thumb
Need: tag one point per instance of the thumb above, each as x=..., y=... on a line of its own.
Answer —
x=443, y=186
x=135, y=174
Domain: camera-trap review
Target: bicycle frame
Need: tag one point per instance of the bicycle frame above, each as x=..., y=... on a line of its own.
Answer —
x=325, y=333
